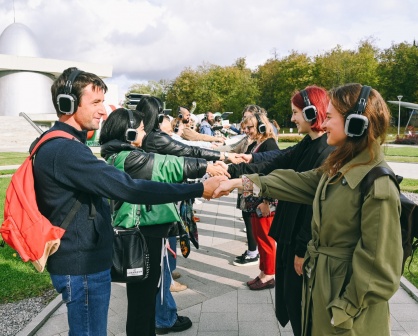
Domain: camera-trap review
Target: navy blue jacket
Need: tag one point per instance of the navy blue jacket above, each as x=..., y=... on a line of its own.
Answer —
x=65, y=170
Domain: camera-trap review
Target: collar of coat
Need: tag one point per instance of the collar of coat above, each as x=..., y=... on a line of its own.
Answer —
x=355, y=175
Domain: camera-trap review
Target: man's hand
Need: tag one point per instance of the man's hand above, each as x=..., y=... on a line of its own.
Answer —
x=211, y=184
x=235, y=158
x=298, y=265
x=217, y=170
x=227, y=186
x=245, y=157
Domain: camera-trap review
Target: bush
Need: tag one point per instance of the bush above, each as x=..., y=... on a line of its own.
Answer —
x=290, y=137
x=410, y=138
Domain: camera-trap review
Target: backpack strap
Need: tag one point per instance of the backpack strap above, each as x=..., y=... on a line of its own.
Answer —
x=77, y=204
x=375, y=173
x=49, y=136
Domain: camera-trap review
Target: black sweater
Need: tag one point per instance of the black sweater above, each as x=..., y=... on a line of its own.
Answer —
x=292, y=221
x=65, y=170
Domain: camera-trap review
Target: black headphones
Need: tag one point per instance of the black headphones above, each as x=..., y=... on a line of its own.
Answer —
x=68, y=102
x=161, y=114
x=131, y=133
x=179, y=115
x=176, y=128
x=356, y=123
x=261, y=126
x=309, y=112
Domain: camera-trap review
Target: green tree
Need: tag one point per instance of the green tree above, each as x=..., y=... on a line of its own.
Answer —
x=154, y=88
x=398, y=73
x=339, y=66
x=278, y=79
x=215, y=88
x=182, y=90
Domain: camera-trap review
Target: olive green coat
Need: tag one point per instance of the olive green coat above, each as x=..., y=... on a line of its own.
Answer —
x=353, y=263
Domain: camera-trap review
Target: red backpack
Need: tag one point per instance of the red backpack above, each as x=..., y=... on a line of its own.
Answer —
x=24, y=228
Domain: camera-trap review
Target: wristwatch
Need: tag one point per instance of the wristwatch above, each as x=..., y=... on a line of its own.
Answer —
x=226, y=155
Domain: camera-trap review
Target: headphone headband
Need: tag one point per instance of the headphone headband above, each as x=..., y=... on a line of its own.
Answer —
x=70, y=81
x=131, y=133
x=362, y=100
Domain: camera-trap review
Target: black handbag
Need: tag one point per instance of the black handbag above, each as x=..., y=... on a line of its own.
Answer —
x=130, y=256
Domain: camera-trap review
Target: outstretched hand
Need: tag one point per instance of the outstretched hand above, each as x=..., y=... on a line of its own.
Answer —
x=235, y=158
x=245, y=157
x=217, y=170
x=225, y=187
x=211, y=184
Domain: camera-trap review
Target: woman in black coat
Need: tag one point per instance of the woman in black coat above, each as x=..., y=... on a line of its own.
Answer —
x=156, y=141
x=114, y=139
x=291, y=227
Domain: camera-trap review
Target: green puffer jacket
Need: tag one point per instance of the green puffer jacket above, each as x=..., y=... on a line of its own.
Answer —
x=155, y=167
x=353, y=263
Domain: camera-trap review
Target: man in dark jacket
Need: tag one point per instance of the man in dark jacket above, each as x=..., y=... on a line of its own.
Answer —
x=66, y=171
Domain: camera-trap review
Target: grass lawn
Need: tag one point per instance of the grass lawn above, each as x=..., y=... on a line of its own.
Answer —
x=20, y=280
x=412, y=275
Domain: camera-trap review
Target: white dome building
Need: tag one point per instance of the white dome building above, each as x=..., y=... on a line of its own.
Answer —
x=26, y=77
x=23, y=90
x=25, y=86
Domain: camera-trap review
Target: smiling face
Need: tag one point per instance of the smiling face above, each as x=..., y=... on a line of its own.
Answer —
x=90, y=111
x=249, y=128
x=186, y=115
x=140, y=135
x=334, y=127
x=302, y=125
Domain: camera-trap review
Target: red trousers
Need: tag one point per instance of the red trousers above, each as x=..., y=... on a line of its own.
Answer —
x=266, y=244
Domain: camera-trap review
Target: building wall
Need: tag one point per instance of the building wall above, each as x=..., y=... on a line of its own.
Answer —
x=23, y=91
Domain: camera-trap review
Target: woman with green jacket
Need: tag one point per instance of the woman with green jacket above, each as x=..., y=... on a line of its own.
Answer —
x=121, y=139
x=353, y=263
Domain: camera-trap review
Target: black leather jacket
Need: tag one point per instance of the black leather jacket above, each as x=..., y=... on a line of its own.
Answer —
x=159, y=142
x=139, y=164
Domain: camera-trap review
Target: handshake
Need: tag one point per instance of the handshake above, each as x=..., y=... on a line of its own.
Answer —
x=217, y=186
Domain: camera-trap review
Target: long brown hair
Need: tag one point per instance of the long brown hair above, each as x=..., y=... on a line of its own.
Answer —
x=343, y=99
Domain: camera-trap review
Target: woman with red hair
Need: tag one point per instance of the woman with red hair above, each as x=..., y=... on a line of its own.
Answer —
x=291, y=227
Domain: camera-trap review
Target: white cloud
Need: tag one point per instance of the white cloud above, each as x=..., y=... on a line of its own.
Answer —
x=157, y=39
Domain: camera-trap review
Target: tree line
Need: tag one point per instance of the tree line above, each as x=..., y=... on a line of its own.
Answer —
x=392, y=71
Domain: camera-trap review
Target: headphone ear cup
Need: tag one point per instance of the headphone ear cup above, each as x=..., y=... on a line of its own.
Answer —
x=67, y=103
x=261, y=126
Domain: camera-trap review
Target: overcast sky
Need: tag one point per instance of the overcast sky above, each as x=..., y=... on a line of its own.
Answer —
x=157, y=39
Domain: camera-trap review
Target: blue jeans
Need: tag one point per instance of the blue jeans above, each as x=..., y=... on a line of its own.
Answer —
x=87, y=298
x=165, y=309
x=172, y=262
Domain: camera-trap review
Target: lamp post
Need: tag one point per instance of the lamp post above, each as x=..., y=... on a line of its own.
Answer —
x=399, y=113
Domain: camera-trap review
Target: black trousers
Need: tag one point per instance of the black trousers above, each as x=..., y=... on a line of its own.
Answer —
x=288, y=289
x=142, y=295
x=252, y=244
